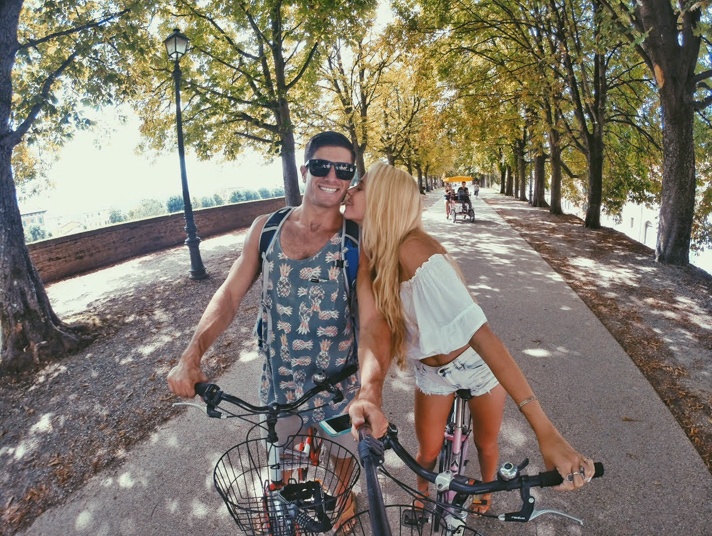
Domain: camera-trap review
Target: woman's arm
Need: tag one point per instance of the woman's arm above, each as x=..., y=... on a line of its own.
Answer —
x=556, y=451
x=374, y=355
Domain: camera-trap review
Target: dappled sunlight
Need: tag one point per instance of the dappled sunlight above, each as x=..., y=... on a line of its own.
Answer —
x=537, y=352
x=126, y=481
x=84, y=521
x=154, y=344
x=249, y=356
x=47, y=374
x=516, y=437
x=400, y=380
x=44, y=425
x=199, y=509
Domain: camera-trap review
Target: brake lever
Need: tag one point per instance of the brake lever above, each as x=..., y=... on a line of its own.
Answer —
x=209, y=409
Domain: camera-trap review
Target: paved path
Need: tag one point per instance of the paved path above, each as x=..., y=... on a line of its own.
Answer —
x=655, y=481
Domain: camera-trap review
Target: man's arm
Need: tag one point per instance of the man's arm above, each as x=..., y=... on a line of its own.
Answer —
x=374, y=355
x=218, y=315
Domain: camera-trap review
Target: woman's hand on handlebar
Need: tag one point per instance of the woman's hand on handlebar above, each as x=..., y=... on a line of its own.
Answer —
x=575, y=468
x=183, y=377
x=366, y=412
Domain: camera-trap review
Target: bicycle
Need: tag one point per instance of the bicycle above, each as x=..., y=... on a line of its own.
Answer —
x=411, y=520
x=256, y=478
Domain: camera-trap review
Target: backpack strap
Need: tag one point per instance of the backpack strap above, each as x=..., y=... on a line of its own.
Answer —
x=269, y=231
x=272, y=225
x=349, y=248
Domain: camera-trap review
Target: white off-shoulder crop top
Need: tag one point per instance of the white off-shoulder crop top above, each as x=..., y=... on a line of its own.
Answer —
x=440, y=315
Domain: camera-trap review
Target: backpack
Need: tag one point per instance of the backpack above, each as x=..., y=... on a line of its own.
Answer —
x=349, y=252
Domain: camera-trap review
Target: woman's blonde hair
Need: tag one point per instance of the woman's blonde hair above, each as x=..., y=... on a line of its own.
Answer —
x=393, y=211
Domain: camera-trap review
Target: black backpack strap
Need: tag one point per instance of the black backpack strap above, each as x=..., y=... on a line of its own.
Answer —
x=350, y=243
x=273, y=223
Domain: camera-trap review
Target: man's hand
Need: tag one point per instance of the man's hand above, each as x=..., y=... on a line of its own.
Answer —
x=366, y=412
x=183, y=377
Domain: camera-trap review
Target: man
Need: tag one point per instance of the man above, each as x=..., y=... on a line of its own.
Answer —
x=463, y=196
x=306, y=324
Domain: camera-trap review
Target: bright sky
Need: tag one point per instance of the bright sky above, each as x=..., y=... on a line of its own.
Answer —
x=88, y=177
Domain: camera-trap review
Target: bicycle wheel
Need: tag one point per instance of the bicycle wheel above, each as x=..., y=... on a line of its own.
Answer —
x=404, y=520
x=450, y=460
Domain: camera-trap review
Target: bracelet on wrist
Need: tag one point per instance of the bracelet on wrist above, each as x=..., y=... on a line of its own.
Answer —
x=525, y=402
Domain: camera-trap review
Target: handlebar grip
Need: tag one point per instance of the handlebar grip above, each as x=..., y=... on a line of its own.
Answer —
x=202, y=388
x=553, y=478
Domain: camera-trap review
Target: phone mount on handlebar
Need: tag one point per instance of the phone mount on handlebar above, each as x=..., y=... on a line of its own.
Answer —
x=320, y=379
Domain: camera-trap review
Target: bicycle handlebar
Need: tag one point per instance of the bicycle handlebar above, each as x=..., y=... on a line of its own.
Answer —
x=461, y=483
x=212, y=395
x=509, y=478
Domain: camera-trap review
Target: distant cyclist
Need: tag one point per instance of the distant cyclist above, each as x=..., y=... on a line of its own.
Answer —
x=463, y=196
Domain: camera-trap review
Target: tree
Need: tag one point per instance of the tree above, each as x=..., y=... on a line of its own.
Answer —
x=35, y=233
x=148, y=208
x=46, y=55
x=237, y=196
x=250, y=61
x=669, y=37
x=116, y=216
x=352, y=73
x=174, y=204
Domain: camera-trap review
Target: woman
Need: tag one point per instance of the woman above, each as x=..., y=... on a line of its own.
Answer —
x=434, y=323
x=449, y=196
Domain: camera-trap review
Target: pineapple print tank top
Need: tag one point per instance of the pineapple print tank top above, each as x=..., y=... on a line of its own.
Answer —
x=307, y=326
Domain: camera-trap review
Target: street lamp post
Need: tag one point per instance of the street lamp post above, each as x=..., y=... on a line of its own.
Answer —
x=177, y=46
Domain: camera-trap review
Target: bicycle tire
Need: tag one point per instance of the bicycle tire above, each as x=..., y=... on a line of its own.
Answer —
x=447, y=459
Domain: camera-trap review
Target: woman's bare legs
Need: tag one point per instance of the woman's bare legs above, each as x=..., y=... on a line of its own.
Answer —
x=431, y=413
x=487, y=412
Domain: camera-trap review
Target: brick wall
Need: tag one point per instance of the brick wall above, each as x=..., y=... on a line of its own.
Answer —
x=74, y=254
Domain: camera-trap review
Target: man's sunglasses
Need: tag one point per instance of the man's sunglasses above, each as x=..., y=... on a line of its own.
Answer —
x=320, y=168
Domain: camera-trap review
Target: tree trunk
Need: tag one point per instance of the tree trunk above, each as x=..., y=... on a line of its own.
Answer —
x=509, y=183
x=522, y=191
x=595, y=181
x=31, y=332
x=539, y=197
x=678, y=188
x=555, y=160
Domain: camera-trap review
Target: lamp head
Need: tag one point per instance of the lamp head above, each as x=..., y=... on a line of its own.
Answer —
x=176, y=45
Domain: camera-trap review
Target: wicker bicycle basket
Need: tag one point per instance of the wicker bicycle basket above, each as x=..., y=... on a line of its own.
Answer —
x=404, y=520
x=311, y=483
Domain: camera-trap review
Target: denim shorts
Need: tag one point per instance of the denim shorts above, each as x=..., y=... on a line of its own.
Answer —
x=466, y=371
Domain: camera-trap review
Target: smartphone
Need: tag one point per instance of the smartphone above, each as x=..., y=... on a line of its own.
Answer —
x=335, y=426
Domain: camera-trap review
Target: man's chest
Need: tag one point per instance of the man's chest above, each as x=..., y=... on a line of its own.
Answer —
x=298, y=243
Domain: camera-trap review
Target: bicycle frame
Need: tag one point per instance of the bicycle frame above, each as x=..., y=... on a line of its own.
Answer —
x=453, y=458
